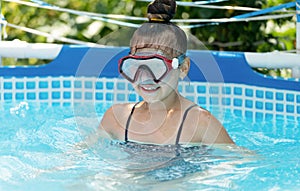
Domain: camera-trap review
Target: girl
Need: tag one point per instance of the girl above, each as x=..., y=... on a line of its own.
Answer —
x=156, y=62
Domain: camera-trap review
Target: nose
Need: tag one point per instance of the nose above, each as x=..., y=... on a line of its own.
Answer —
x=144, y=75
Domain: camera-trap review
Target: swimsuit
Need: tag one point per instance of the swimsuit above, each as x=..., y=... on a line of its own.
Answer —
x=179, y=130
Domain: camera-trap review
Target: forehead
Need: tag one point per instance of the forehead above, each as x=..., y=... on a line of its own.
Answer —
x=151, y=51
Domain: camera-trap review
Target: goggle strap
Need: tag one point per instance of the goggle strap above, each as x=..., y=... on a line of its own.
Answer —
x=176, y=62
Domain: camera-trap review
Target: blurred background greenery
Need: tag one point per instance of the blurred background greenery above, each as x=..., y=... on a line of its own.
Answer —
x=254, y=36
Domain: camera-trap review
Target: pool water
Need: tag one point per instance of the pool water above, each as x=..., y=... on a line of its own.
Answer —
x=53, y=148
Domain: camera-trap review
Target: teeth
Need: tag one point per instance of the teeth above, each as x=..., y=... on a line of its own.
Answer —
x=149, y=87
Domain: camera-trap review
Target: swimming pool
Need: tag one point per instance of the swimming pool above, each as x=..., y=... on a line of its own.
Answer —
x=47, y=111
x=40, y=151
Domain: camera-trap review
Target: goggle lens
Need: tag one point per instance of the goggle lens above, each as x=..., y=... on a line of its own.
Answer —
x=155, y=66
x=158, y=66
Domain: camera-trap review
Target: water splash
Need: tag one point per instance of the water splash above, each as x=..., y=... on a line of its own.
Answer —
x=20, y=110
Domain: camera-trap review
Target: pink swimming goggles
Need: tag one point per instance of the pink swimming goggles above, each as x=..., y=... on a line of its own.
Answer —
x=157, y=65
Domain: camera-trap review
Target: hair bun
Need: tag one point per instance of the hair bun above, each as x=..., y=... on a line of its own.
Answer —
x=161, y=10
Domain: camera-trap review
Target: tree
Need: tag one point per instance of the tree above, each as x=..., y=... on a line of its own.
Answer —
x=239, y=36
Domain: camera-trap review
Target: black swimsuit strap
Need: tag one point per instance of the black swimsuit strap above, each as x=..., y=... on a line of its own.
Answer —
x=128, y=122
x=182, y=122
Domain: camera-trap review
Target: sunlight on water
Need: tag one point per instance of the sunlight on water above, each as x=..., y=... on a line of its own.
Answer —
x=52, y=148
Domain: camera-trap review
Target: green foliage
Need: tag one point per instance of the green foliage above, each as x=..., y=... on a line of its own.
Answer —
x=64, y=24
x=255, y=36
x=244, y=36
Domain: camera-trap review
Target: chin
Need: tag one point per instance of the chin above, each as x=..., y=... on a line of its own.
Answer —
x=150, y=100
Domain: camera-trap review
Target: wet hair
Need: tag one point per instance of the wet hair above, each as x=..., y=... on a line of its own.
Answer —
x=160, y=33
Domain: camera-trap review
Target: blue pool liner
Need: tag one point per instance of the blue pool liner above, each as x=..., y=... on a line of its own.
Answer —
x=206, y=66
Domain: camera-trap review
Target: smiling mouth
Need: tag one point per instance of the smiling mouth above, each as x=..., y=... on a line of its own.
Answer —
x=149, y=88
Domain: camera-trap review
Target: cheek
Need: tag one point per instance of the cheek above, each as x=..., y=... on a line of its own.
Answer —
x=172, y=78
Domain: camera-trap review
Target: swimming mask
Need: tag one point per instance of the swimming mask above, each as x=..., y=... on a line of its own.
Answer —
x=157, y=65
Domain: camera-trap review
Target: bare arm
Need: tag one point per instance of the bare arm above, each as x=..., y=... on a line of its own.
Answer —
x=212, y=130
x=107, y=123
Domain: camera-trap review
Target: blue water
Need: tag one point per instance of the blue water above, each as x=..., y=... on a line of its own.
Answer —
x=53, y=148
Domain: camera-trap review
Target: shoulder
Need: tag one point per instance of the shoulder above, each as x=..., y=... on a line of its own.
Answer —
x=118, y=112
x=203, y=115
x=117, y=109
x=115, y=118
x=199, y=117
x=194, y=111
x=208, y=128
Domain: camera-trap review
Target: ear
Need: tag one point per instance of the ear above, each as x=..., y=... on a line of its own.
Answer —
x=185, y=68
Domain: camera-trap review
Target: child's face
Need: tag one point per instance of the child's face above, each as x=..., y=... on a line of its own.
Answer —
x=156, y=79
x=152, y=91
